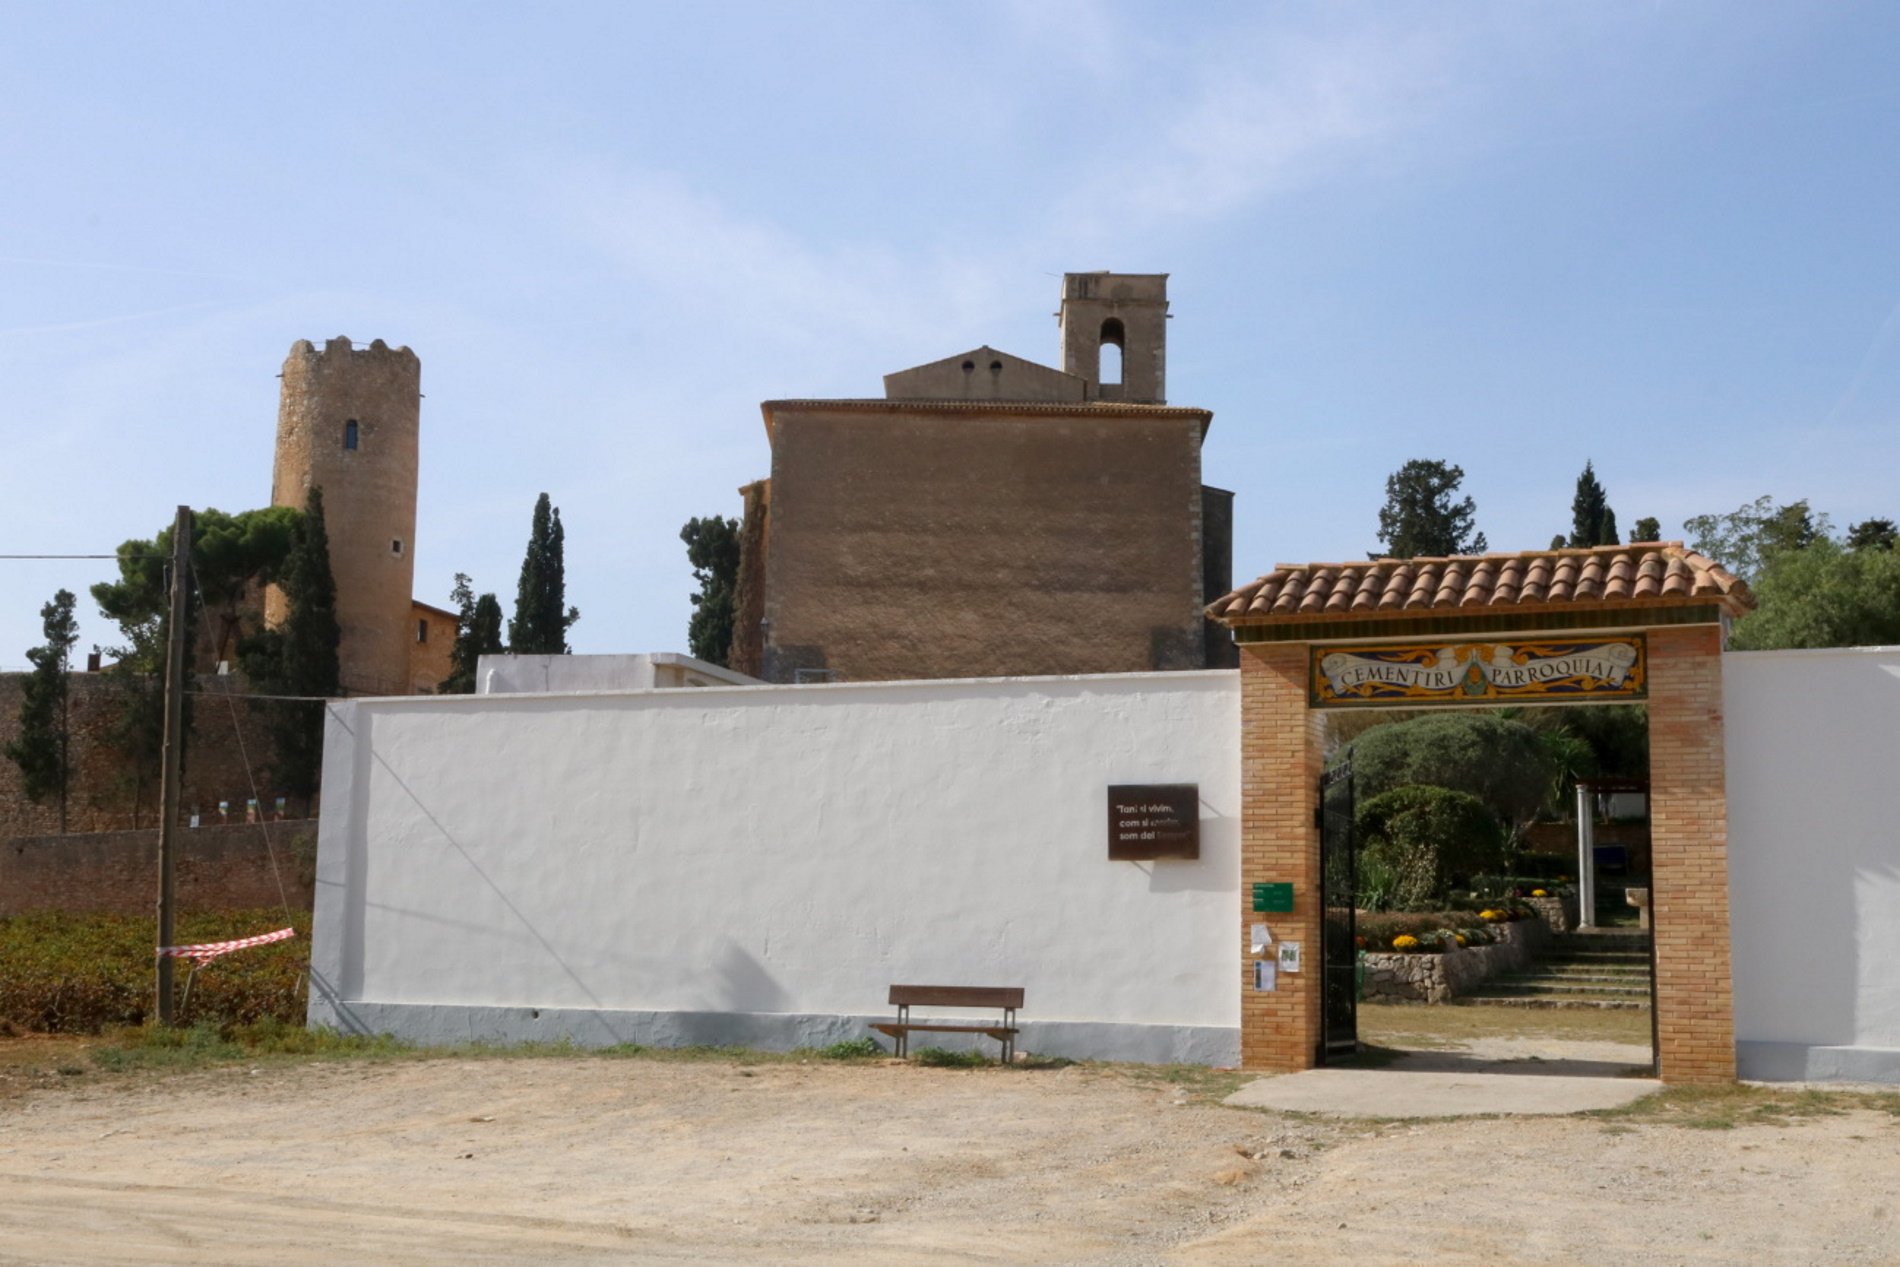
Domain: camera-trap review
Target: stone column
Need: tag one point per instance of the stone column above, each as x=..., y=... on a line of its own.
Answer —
x=1281, y=746
x=1688, y=817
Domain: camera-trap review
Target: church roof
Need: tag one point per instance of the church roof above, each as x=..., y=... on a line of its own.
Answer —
x=1647, y=574
x=984, y=373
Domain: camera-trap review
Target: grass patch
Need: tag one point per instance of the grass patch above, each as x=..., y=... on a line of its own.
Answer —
x=1724, y=1108
x=1199, y=1083
x=944, y=1058
x=852, y=1049
x=1440, y=1026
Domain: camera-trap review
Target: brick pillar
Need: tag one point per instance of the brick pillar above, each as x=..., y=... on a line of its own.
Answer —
x=1688, y=818
x=1281, y=744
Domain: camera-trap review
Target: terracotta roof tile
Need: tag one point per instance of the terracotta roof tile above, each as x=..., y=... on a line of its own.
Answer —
x=1646, y=574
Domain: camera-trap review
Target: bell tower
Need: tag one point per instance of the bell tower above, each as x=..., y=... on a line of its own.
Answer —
x=1120, y=319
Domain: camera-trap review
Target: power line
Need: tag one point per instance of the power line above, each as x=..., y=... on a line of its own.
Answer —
x=83, y=556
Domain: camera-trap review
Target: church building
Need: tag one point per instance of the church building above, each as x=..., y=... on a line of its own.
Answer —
x=989, y=516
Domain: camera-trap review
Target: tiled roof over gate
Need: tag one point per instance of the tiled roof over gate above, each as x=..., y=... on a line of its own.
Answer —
x=1650, y=574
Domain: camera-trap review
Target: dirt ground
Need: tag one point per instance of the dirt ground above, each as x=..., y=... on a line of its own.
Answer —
x=585, y=1159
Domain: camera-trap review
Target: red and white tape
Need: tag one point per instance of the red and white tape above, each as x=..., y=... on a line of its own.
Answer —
x=205, y=952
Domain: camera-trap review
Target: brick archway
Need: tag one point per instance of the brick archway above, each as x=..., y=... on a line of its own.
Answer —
x=1674, y=604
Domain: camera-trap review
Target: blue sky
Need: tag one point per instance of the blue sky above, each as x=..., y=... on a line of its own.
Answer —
x=1661, y=236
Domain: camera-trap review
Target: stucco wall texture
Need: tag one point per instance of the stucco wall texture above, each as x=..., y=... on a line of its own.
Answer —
x=761, y=864
x=914, y=539
x=1814, y=861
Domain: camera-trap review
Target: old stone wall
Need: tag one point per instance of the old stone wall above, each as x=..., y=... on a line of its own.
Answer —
x=1397, y=978
x=932, y=540
x=107, y=791
x=116, y=873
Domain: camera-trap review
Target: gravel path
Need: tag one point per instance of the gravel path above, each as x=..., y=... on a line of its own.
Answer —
x=584, y=1160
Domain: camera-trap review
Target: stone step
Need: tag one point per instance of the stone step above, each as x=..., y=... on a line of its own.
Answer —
x=1553, y=1001
x=1634, y=979
x=1562, y=990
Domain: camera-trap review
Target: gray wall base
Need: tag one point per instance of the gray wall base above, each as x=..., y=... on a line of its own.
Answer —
x=1797, y=1062
x=435, y=1024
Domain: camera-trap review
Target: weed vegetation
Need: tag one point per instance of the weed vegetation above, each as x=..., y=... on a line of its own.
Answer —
x=81, y=974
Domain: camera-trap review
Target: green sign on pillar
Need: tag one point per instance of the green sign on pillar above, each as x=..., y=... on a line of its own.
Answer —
x=1273, y=898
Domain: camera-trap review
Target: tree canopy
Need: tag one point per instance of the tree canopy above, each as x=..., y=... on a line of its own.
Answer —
x=1743, y=539
x=712, y=547
x=1646, y=529
x=1872, y=534
x=232, y=557
x=1497, y=760
x=42, y=749
x=542, y=617
x=1825, y=595
x=1420, y=519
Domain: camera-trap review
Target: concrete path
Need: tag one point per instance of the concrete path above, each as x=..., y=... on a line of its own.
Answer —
x=1526, y=1076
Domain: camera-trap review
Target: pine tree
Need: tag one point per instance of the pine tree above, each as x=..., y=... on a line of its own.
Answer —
x=43, y=749
x=1592, y=522
x=1872, y=534
x=477, y=633
x=541, y=617
x=712, y=547
x=1647, y=529
x=1419, y=518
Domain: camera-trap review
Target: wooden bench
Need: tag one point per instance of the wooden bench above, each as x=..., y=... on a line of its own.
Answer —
x=903, y=997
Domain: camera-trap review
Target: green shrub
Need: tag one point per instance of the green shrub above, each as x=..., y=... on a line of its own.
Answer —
x=852, y=1049
x=81, y=973
x=1426, y=838
x=944, y=1058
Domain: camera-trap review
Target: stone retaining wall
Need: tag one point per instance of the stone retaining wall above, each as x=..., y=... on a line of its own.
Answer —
x=116, y=873
x=1558, y=912
x=1396, y=978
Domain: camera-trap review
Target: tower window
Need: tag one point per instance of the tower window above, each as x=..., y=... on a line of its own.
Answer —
x=395, y=547
x=349, y=434
x=1113, y=338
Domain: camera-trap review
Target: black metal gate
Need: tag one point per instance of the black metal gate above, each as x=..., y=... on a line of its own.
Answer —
x=1339, y=951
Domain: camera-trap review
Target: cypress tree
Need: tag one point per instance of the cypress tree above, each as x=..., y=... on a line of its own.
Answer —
x=542, y=617
x=300, y=659
x=477, y=633
x=1592, y=522
x=43, y=748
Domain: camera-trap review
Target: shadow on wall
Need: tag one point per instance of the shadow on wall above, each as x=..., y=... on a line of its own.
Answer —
x=745, y=985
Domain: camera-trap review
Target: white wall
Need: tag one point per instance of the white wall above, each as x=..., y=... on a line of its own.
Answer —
x=543, y=674
x=761, y=863
x=1813, y=743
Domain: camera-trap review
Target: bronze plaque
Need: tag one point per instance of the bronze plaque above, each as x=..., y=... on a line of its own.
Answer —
x=1154, y=820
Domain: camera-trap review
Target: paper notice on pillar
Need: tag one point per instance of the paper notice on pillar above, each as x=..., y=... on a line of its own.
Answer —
x=1289, y=956
x=1261, y=938
x=1265, y=978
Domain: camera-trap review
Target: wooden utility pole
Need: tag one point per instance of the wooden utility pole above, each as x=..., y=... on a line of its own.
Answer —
x=172, y=755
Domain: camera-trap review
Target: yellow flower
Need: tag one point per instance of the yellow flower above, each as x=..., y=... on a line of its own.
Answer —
x=1539, y=893
x=1404, y=941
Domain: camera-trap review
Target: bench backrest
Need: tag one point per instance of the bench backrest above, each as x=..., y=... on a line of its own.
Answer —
x=1010, y=996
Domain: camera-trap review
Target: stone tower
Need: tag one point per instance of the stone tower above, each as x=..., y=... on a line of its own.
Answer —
x=1126, y=311
x=348, y=421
